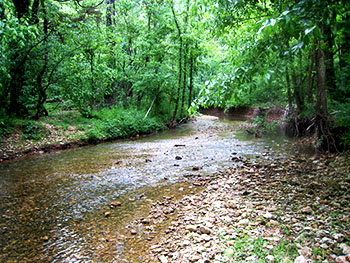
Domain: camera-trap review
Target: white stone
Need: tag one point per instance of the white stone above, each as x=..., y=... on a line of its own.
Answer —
x=163, y=259
x=345, y=248
x=268, y=215
x=270, y=258
x=300, y=259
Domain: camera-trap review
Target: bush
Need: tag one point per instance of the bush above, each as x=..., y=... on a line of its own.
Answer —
x=5, y=125
x=31, y=130
x=341, y=112
x=121, y=123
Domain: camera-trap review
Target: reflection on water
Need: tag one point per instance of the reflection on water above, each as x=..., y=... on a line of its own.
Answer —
x=52, y=206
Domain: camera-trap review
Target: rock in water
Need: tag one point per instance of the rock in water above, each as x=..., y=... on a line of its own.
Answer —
x=195, y=168
x=115, y=204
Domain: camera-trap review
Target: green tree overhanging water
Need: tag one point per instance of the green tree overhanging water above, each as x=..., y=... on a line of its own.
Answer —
x=161, y=57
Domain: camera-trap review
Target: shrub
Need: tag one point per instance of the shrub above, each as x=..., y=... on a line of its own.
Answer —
x=32, y=130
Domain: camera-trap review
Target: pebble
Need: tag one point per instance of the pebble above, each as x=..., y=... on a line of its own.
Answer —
x=163, y=259
x=195, y=258
x=305, y=251
x=204, y=230
x=300, y=259
x=268, y=215
x=270, y=258
x=342, y=259
x=205, y=217
x=191, y=228
x=306, y=210
x=324, y=246
x=345, y=248
x=186, y=243
x=243, y=222
x=115, y=204
x=251, y=258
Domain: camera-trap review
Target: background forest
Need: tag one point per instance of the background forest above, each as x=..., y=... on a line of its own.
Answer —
x=117, y=68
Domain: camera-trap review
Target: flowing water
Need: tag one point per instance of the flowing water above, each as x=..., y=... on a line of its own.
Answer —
x=53, y=206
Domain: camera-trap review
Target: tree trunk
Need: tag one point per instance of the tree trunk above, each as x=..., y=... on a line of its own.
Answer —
x=329, y=62
x=180, y=62
x=184, y=86
x=321, y=108
x=289, y=91
x=16, y=85
x=310, y=82
x=191, y=82
x=110, y=12
x=298, y=93
x=42, y=96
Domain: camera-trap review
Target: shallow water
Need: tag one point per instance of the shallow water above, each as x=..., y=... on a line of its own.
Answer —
x=52, y=206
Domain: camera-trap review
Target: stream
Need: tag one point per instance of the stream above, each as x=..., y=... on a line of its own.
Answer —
x=57, y=207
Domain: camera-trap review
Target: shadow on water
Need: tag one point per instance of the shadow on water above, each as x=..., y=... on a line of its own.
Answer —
x=53, y=207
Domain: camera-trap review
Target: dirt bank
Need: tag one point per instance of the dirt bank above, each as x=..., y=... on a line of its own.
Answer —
x=247, y=113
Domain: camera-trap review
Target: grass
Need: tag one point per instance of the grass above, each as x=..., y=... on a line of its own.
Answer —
x=65, y=126
x=244, y=247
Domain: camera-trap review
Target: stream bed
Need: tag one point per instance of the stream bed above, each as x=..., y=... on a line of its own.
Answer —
x=57, y=207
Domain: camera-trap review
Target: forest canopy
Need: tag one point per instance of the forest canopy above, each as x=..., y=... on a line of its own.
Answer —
x=171, y=58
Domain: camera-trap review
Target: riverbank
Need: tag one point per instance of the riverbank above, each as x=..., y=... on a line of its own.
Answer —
x=283, y=210
x=68, y=129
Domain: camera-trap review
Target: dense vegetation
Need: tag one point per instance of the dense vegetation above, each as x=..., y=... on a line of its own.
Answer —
x=160, y=60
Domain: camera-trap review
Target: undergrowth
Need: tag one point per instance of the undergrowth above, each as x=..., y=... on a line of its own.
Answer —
x=106, y=124
x=120, y=123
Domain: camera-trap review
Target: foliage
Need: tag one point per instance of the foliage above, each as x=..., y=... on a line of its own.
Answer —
x=32, y=130
x=342, y=115
x=5, y=124
x=93, y=56
x=169, y=55
x=119, y=123
x=287, y=52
